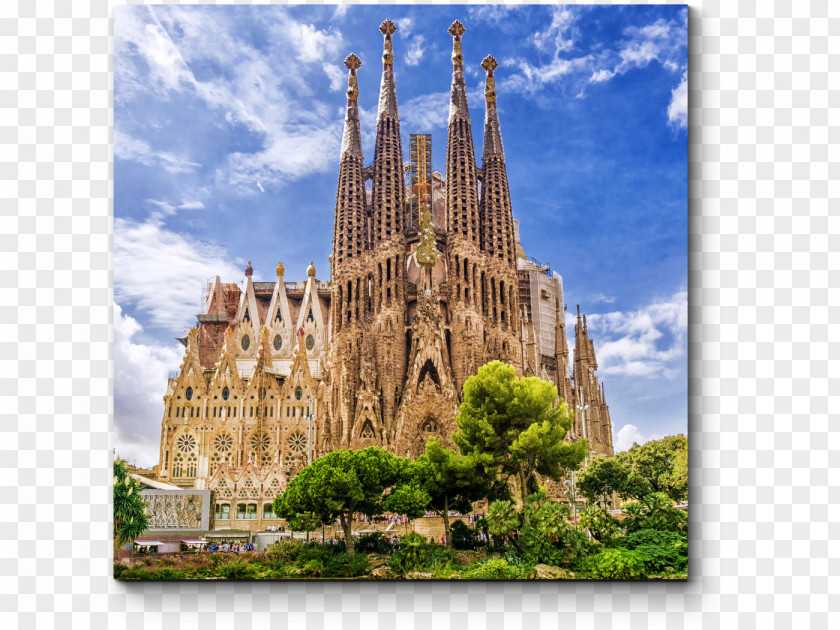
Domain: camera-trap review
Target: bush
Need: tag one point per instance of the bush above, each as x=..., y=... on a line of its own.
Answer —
x=235, y=570
x=655, y=511
x=462, y=536
x=495, y=569
x=659, y=549
x=603, y=527
x=615, y=564
x=416, y=552
x=372, y=543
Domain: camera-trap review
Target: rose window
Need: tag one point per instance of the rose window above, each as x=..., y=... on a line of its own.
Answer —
x=278, y=342
x=223, y=443
x=310, y=342
x=260, y=442
x=185, y=443
x=297, y=442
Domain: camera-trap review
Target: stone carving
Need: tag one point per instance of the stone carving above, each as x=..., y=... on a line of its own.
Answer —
x=174, y=511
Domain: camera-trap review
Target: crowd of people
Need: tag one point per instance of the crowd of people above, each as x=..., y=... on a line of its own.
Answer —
x=236, y=547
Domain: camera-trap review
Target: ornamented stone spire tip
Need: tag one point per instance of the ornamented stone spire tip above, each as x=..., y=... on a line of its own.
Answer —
x=310, y=270
x=280, y=270
x=457, y=29
x=489, y=63
x=352, y=62
x=249, y=270
x=387, y=28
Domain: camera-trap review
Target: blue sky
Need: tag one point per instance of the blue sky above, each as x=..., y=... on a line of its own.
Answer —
x=227, y=128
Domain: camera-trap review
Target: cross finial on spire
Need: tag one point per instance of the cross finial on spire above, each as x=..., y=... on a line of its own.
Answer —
x=489, y=64
x=457, y=29
x=352, y=62
x=387, y=28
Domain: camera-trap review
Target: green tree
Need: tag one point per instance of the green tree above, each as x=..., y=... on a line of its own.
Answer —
x=663, y=463
x=605, y=475
x=450, y=481
x=130, y=518
x=338, y=485
x=511, y=428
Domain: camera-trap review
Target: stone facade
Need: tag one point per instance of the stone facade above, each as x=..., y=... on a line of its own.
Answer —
x=276, y=373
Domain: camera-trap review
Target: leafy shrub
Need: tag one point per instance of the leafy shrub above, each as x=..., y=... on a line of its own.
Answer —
x=659, y=549
x=170, y=574
x=655, y=511
x=416, y=552
x=615, y=564
x=462, y=536
x=235, y=570
x=495, y=569
x=313, y=568
x=372, y=543
x=603, y=527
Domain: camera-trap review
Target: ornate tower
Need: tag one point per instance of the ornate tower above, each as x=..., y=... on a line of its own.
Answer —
x=498, y=235
x=349, y=239
x=468, y=283
x=589, y=395
x=386, y=265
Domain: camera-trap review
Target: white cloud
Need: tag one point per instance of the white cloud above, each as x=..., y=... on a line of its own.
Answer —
x=140, y=373
x=678, y=107
x=135, y=150
x=557, y=37
x=599, y=76
x=628, y=435
x=266, y=92
x=159, y=273
x=404, y=26
x=337, y=78
x=497, y=14
x=168, y=209
x=415, y=51
x=428, y=111
x=648, y=342
x=603, y=299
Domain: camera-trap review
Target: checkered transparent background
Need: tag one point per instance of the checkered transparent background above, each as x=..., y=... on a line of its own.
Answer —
x=764, y=97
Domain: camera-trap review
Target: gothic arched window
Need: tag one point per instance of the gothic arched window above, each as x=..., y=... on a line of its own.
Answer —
x=225, y=393
x=189, y=393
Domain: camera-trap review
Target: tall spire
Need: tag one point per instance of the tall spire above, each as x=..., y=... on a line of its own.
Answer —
x=387, y=89
x=461, y=176
x=349, y=232
x=458, y=103
x=352, y=142
x=492, y=133
x=496, y=214
x=388, y=191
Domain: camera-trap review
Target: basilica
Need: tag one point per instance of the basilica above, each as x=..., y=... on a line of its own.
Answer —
x=428, y=282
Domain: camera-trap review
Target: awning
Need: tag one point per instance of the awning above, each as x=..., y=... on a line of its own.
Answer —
x=193, y=542
x=147, y=543
x=227, y=535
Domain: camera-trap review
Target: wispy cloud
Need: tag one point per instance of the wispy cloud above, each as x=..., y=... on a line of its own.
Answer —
x=678, y=107
x=145, y=255
x=415, y=51
x=567, y=64
x=135, y=150
x=645, y=343
x=167, y=208
x=140, y=373
x=265, y=92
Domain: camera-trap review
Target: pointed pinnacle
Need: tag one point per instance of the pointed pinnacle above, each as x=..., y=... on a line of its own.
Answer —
x=457, y=29
x=387, y=28
x=489, y=64
x=352, y=62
